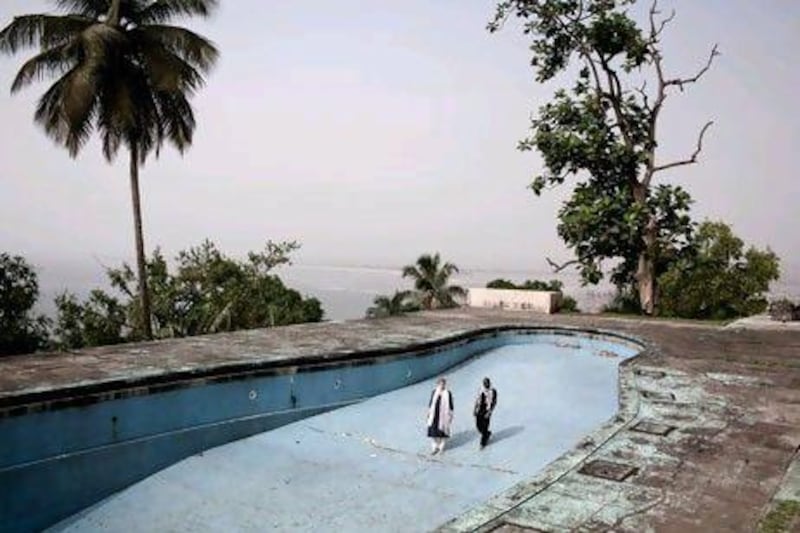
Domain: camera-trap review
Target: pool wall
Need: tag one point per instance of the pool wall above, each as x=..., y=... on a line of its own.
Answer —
x=61, y=453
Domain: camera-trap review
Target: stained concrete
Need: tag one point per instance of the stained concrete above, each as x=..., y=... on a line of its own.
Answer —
x=736, y=413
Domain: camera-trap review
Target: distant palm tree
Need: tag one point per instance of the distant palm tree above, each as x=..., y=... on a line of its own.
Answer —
x=122, y=70
x=431, y=282
x=397, y=304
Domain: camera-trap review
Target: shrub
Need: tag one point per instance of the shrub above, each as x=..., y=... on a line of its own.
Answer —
x=784, y=310
x=721, y=280
x=21, y=331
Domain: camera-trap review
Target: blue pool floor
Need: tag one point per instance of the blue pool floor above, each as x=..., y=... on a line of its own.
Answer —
x=367, y=467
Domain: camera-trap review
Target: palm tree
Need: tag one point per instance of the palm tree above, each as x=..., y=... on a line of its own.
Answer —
x=397, y=304
x=430, y=282
x=121, y=69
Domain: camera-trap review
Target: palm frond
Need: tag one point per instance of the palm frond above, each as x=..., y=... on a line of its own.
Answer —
x=148, y=130
x=456, y=291
x=129, y=10
x=66, y=109
x=450, y=269
x=198, y=51
x=167, y=71
x=111, y=141
x=410, y=271
x=45, y=31
x=428, y=264
x=89, y=8
x=132, y=81
x=177, y=117
x=129, y=112
x=55, y=61
x=166, y=10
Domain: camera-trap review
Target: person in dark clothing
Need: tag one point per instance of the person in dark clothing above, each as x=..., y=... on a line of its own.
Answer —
x=484, y=407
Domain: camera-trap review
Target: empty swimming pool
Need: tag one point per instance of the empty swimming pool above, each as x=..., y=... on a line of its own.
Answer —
x=366, y=467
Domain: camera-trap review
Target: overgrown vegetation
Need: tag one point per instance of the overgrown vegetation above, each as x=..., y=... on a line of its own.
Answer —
x=719, y=279
x=21, y=331
x=783, y=518
x=568, y=303
x=784, y=310
x=209, y=292
x=399, y=303
x=715, y=278
x=206, y=292
x=432, y=289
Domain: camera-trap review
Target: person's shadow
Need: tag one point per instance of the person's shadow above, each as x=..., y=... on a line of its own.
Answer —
x=465, y=436
x=461, y=438
x=506, y=433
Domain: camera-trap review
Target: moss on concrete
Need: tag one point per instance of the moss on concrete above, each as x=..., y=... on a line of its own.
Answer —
x=782, y=518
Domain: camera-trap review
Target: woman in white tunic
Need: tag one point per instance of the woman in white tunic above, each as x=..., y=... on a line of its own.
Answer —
x=440, y=416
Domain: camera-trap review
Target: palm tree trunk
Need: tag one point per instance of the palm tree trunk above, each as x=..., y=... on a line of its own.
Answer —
x=141, y=266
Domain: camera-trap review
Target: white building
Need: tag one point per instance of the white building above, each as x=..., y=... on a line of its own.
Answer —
x=539, y=301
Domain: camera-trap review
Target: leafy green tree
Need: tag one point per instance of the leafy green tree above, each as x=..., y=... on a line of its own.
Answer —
x=604, y=131
x=121, y=69
x=100, y=320
x=721, y=280
x=431, y=282
x=208, y=293
x=399, y=303
x=20, y=330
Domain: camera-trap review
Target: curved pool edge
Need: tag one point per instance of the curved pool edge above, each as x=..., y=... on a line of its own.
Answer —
x=84, y=392
x=488, y=516
x=471, y=338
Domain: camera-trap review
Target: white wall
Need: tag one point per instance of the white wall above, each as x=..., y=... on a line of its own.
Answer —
x=540, y=301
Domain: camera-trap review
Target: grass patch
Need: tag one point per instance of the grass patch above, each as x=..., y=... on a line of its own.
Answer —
x=780, y=518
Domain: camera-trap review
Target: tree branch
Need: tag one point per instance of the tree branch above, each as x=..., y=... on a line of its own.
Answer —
x=661, y=88
x=645, y=97
x=656, y=29
x=558, y=268
x=680, y=82
x=691, y=160
x=615, y=97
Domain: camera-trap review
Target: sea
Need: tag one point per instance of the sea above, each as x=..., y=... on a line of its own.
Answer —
x=346, y=292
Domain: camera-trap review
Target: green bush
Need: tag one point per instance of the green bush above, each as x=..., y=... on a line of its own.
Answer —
x=207, y=293
x=784, y=310
x=20, y=330
x=625, y=302
x=720, y=280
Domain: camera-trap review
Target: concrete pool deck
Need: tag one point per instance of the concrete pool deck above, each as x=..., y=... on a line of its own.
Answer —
x=730, y=396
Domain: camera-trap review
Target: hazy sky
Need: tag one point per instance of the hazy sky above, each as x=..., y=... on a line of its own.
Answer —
x=374, y=131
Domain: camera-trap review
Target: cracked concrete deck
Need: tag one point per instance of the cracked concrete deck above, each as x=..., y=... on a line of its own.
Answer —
x=735, y=413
